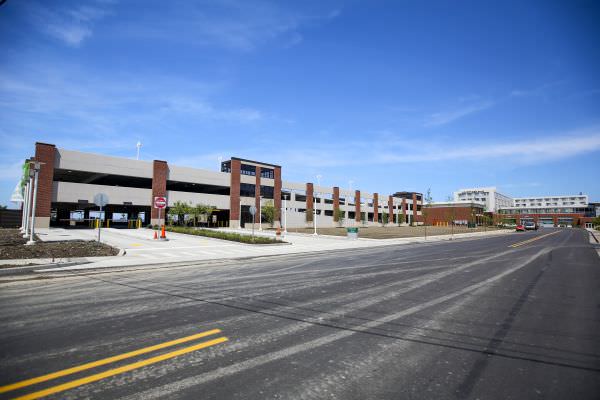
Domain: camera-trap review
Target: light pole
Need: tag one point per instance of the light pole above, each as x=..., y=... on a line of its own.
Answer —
x=284, y=213
x=24, y=211
x=28, y=210
x=315, y=204
x=36, y=167
x=260, y=213
x=138, y=145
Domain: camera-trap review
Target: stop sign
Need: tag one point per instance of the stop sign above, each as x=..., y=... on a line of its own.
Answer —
x=160, y=202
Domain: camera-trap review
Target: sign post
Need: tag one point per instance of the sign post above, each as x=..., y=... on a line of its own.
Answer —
x=253, y=212
x=100, y=200
x=160, y=202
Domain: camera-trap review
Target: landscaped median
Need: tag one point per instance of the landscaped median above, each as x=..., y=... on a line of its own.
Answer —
x=232, y=236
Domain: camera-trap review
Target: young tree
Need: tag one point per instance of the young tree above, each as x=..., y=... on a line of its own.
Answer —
x=425, y=209
x=309, y=215
x=339, y=216
x=268, y=212
x=202, y=210
x=400, y=219
x=450, y=218
x=179, y=209
x=385, y=217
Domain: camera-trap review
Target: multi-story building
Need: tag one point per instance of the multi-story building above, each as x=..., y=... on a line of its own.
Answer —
x=571, y=201
x=69, y=180
x=491, y=199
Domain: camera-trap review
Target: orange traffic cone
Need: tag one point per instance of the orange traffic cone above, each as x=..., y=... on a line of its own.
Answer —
x=162, y=233
x=155, y=235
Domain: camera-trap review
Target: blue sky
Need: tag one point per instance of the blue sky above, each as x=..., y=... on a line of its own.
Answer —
x=398, y=95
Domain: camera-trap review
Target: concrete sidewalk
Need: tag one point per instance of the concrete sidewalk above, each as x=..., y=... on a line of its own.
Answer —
x=142, y=250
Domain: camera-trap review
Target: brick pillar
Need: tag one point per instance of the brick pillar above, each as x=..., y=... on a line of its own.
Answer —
x=375, y=207
x=357, y=206
x=391, y=212
x=277, y=196
x=555, y=220
x=234, y=194
x=404, y=210
x=309, y=200
x=257, y=196
x=44, y=153
x=160, y=171
x=414, y=199
x=336, y=202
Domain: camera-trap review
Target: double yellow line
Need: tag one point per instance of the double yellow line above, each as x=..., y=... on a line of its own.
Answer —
x=114, y=371
x=533, y=239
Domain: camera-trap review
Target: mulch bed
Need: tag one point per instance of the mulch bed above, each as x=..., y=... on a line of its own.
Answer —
x=12, y=246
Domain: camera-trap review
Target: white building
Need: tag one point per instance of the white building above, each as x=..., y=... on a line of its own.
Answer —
x=580, y=200
x=488, y=196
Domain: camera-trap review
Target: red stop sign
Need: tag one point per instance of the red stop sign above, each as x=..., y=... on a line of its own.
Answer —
x=160, y=202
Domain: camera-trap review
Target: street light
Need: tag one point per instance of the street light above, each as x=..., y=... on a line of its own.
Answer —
x=36, y=167
x=25, y=205
x=260, y=213
x=285, y=213
x=315, y=193
x=29, y=198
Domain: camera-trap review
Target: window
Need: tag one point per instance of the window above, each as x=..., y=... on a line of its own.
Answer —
x=267, y=173
x=266, y=191
x=247, y=190
x=248, y=170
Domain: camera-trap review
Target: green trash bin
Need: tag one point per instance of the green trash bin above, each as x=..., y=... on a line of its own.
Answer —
x=352, y=233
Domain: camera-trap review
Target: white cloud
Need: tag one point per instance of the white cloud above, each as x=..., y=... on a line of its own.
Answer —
x=445, y=117
x=70, y=25
x=535, y=150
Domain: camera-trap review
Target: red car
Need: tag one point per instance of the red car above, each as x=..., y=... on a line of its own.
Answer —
x=520, y=228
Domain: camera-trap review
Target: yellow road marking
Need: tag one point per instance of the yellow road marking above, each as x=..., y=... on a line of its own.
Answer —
x=533, y=239
x=136, y=244
x=105, y=361
x=120, y=370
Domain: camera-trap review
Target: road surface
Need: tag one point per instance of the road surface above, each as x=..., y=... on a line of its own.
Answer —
x=514, y=316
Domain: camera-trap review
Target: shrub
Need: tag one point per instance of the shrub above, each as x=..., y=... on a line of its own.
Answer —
x=234, y=237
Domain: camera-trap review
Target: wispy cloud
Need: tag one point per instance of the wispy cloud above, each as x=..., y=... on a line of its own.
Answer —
x=235, y=25
x=71, y=25
x=448, y=116
x=536, y=150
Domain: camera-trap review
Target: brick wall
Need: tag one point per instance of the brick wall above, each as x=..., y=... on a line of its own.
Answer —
x=257, y=196
x=234, y=193
x=46, y=154
x=336, y=202
x=160, y=172
x=375, y=207
x=277, y=195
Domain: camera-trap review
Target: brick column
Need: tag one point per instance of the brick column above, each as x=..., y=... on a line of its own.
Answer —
x=391, y=212
x=277, y=196
x=375, y=207
x=309, y=200
x=44, y=153
x=160, y=171
x=336, y=202
x=414, y=199
x=404, y=210
x=257, y=196
x=234, y=194
x=357, y=205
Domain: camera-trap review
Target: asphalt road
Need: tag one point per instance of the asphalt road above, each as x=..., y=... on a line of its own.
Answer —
x=496, y=318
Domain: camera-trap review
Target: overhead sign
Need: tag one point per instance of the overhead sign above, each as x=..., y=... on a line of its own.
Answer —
x=101, y=199
x=252, y=210
x=160, y=202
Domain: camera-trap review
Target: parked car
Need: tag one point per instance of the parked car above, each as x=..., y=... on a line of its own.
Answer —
x=520, y=228
x=531, y=226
